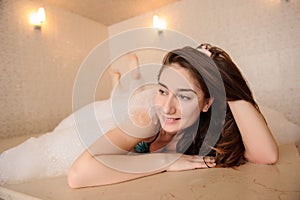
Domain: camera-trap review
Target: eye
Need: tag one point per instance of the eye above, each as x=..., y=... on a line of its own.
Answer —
x=163, y=92
x=183, y=97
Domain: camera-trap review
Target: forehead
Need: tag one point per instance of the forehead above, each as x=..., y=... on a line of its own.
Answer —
x=177, y=77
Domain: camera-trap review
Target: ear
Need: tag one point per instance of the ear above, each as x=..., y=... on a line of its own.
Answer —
x=207, y=103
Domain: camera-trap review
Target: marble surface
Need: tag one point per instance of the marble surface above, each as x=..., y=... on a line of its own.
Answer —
x=250, y=181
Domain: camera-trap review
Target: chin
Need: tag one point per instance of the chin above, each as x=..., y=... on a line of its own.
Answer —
x=173, y=130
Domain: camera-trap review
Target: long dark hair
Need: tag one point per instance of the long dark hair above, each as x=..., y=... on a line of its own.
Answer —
x=229, y=149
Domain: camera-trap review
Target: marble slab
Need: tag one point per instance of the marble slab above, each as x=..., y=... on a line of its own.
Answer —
x=250, y=181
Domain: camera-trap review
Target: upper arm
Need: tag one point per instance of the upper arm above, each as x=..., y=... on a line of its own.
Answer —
x=115, y=141
x=260, y=145
x=88, y=170
x=122, y=139
x=133, y=128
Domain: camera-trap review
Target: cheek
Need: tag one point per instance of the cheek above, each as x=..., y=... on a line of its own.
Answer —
x=158, y=100
x=158, y=103
x=190, y=110
x=189, y=116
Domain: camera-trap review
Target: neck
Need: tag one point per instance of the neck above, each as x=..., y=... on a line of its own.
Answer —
x=168, y=136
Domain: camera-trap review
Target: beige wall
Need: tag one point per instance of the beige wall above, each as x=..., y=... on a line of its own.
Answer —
x=262, y=36
x=38, y=68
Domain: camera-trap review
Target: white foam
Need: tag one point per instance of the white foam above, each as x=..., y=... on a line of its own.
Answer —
x=53, y=153
x=50, y=154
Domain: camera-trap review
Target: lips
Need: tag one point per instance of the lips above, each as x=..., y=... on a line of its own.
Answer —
x=168, y=120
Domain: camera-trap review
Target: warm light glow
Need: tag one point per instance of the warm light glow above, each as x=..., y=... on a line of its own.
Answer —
x=159, y=24
x=38, y=18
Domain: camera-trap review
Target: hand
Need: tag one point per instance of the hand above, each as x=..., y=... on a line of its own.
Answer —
x=188, y=162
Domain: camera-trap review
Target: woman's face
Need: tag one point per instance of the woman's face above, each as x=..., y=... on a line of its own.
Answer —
x=179, y=99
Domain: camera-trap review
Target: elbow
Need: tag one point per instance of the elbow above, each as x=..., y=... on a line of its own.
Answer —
x=86, y=172
x=270, y=159
x=78, y=172
x=274, y=156
x=74, y=179
x=266, y=158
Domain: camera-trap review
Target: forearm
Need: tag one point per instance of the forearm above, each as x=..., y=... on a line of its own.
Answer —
x=259, y=143
x=109, y=169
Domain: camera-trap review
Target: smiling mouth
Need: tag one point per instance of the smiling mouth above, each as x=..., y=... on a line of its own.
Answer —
x=171, y=120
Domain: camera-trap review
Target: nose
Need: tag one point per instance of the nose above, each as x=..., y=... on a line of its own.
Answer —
x=170, y=105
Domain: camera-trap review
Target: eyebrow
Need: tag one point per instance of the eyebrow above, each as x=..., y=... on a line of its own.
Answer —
x=180, y=89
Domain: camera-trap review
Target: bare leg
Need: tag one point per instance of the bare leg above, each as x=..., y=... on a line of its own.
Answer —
x=116, y=75
x=133, y=64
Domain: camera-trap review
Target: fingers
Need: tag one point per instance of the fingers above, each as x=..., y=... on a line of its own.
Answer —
x=189, y=162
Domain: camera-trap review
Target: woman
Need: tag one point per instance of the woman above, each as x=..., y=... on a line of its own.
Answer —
x=188, y=88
